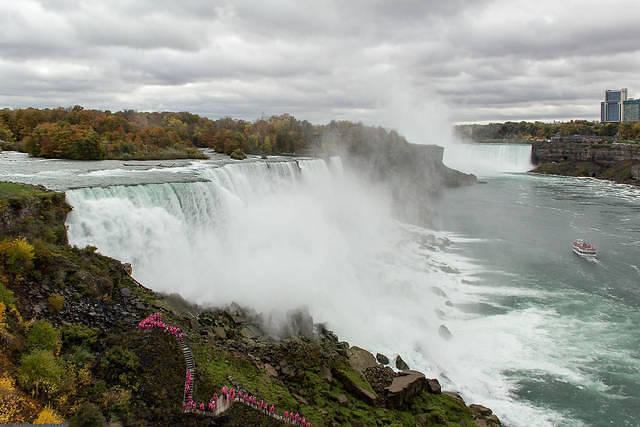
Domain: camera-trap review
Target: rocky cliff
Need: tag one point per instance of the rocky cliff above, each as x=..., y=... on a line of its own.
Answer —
x=617, y=162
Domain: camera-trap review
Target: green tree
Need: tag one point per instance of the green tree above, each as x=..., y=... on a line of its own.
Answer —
x=43, y=336
x=40, y=371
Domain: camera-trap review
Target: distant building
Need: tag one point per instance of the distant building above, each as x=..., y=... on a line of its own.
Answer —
x=631, y=110
x=617, y=108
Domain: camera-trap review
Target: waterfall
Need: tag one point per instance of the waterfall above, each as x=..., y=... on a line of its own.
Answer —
x=489, y=159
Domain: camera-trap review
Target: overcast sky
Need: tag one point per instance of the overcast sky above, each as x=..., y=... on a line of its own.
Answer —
x=463, y=61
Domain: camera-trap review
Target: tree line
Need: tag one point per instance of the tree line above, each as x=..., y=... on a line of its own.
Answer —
x=541, y=130
x=83, y=134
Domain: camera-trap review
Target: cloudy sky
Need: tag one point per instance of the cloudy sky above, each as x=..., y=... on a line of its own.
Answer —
x=456, y=60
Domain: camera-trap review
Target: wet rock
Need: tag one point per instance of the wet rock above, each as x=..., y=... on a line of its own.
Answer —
x=404, y=387
x=400, y=364
x=455, y=395
x=483, y=416
x=360, y=359
x=433, y=386
x=444, y=332
x=354, y=388
x=381, y=358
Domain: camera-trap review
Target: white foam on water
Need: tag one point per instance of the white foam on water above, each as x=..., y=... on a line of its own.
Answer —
x=280, y=235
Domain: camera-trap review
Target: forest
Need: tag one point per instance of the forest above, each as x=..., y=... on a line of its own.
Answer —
x=83, y=134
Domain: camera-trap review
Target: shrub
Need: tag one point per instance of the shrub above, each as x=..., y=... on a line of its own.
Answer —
x=88, y=415
x=79, y=335
x=6, y=295
x=40, y=371
x=55, y=302
x=238, y=154
x=18, y=251
x=48, y=416
x=43, y=336
x=120, y=366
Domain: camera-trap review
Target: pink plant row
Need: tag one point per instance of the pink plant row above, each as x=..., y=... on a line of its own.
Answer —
x=227, y=395
x=155, y=321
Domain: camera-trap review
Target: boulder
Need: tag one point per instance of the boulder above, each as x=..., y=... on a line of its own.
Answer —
x=405, y=387
x=125, y=292
x=400, y=364
x=354, y=388
x=433, y=386
x=483, y=416
x=381, y=358
x=219, y=333
x=360, y=359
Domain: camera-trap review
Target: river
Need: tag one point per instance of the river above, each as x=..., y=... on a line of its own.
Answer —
x=536, y=333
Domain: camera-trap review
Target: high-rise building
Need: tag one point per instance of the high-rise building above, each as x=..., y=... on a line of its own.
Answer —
x=612, y=109
x=617, y=108
x=631, y=110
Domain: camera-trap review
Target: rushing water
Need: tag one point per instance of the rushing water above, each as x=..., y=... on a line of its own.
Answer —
x=537, y=334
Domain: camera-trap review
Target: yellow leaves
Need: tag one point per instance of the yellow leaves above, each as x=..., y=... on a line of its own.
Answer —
x=14, y=407
x=48, y=416
x=5, y=335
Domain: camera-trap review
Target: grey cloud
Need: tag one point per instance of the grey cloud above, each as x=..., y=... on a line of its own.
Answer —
x=487, y=60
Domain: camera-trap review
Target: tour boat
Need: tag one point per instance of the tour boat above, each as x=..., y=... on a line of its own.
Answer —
x=584, y=249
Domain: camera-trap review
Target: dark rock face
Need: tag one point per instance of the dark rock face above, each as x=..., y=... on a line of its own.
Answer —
x=404, y=387
x=400, y=364
x=381, y=358
x=603, y=154
x=379, y=377
x=616, y=162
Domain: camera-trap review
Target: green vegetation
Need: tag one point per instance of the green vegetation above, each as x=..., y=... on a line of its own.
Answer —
x=76, y=133
x=539, y=130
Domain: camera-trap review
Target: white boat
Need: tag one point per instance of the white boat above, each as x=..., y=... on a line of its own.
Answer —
x=583, y=249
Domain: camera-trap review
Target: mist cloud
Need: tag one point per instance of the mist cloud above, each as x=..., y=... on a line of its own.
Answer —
x=479, y=61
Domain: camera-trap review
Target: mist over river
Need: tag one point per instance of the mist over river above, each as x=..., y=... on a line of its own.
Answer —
x=539, y=335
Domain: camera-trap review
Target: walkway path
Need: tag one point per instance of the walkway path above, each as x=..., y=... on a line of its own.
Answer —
x=218, y=404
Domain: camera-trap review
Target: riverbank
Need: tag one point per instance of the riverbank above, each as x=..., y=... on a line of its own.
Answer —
x=618, y=162
x=68, y=336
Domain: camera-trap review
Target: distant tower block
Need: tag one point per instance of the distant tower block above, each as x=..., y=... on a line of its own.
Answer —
x=612, y=109
x=618, y=108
